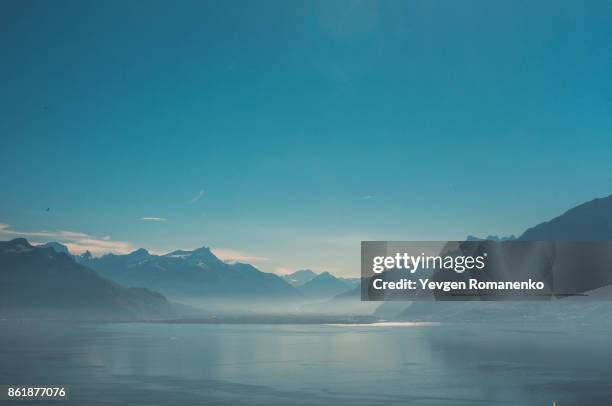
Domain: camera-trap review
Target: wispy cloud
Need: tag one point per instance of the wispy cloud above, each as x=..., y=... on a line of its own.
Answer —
x=237, y=255
x=77, y=242
x=281, y=270
x=197, y=197
x=152, y=219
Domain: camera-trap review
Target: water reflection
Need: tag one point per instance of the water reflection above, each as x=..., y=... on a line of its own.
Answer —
x=262, y=364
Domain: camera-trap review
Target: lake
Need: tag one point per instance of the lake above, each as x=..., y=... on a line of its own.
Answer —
x=396, y=364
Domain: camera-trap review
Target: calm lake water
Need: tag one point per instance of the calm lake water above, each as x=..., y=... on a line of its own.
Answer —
x=171, y=364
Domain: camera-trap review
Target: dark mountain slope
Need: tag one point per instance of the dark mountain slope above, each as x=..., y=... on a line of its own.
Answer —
x=300, y=277
x=324, y=285
x=39, y=282
x=588, y=221
x=194, y=276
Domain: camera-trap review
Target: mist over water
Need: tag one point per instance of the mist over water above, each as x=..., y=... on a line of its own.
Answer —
x=420, y=364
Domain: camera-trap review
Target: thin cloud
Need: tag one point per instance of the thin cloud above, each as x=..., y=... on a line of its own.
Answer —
x=152, y=219
x=77, y=242
x=237, y=256
x=282, y=270
x=197, y=197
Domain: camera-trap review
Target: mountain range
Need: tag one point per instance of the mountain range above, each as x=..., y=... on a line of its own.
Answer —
x=324, y=286
x=39, y=282
x=196, y=277
x=300, y=277
x=199, y=278
x=590, y=221
x=48, y=281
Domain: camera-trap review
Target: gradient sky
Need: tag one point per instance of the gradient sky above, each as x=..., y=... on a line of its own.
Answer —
x=283, y=133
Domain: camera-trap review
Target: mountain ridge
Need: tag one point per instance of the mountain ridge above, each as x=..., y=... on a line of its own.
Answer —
x=323, y=286
x=39, y=282
x=193, y=276
x=591, y=220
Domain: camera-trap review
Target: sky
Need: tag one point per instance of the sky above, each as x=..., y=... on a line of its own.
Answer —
x=284, y=133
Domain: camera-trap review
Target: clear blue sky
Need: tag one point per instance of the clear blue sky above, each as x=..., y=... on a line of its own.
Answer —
x=307, y=125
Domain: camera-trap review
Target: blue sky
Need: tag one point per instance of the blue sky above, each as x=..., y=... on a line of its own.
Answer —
x=283, y=133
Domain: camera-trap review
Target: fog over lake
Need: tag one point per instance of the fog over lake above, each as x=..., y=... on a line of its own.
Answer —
x=420, y=364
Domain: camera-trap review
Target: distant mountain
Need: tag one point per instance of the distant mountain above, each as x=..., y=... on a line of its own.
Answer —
x=587, y=309
x=324, y=285
x=57, y=247
x=351, y=282
x=194, y=276
x=490, y=238
x=300, y=277
x=39, y=282
x=84, y=256
x=347, y=303
x=62, y=249
x=588, y=221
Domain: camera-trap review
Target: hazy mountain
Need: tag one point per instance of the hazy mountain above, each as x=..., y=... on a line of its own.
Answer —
x=84, y=256
x=300, y=277
x=588, y=221
x=571, y=309
x=352, y=293
x=62, y=249
x=324, y=285
x=347, y=303
x=57, y=247
x=491, y=237
x=194, y=276
x=351, y=282
x=39, y=282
